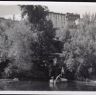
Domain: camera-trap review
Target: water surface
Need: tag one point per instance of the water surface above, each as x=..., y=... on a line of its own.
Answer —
x=45, y=86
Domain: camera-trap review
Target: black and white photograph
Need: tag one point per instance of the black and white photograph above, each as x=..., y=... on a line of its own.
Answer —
x=47, y=46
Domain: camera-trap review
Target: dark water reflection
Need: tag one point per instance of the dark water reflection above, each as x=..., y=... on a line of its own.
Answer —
x=45, y=86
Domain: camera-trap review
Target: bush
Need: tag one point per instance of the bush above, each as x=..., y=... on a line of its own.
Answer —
x=80, y=51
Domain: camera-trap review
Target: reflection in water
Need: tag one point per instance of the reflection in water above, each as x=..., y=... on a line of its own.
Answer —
x=27, y=85
x=45, y=86
x=75, y=86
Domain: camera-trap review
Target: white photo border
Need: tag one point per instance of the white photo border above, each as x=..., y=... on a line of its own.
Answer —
x=46, y=92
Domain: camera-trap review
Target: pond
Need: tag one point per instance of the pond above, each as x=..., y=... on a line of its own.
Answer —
x=45, y=86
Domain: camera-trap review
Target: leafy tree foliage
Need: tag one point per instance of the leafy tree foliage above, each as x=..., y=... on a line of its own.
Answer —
x=46, y=44
x=19, y=53
x=36, y=14
x=27, y=49
x=79, y=50
x=4, y=46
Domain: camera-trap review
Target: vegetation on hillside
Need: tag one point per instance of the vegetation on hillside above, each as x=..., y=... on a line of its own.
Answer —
x=79, y=50
x=28, y=48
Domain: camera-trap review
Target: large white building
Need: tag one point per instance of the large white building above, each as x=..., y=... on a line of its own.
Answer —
x=58, y=19
x=61, y=21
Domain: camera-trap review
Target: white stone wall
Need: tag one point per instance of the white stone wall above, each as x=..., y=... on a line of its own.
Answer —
x=57, y=19
x=61, y=20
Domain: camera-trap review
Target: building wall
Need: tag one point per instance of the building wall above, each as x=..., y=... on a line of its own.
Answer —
x=63, y=21
x=57, y=19
x=60, y=20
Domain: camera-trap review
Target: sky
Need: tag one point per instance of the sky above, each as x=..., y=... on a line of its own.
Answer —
x=10, y=9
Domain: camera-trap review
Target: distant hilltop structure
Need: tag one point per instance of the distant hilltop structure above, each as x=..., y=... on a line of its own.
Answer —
x=61, y=20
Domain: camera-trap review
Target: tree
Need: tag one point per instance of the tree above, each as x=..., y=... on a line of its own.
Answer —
x=36, y=14
x=80, y=51
x=5, y=24
x=46, y=44
x=20, y=39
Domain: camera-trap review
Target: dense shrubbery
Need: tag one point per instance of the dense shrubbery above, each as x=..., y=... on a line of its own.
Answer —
x=27, y=49
x=80, y=50
x=29, y=46
x=19, y=39
x=4, y=46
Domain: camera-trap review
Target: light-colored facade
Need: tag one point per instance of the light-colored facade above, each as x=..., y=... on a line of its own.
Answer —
x=60, y=20
x=63, y=21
